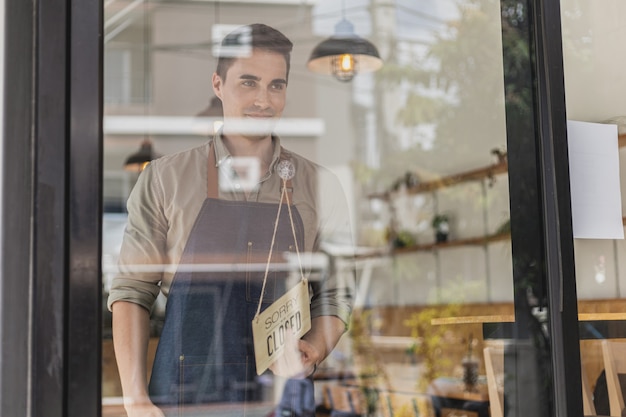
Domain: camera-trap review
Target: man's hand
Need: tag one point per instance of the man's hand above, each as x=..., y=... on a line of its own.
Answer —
x=293, y=362
x=310, y=355
x=301, y=357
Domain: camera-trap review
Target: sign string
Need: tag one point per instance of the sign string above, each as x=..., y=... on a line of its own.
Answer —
x=283, y=197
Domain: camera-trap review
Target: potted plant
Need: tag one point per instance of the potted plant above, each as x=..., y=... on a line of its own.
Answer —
x=441, y=225
x=429, y=343
x=403, y=239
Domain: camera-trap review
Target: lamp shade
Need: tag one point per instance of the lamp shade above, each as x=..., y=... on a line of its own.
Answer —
x=344, y=52
x=139, y=160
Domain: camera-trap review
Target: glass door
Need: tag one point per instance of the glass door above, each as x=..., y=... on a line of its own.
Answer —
x=434, y=253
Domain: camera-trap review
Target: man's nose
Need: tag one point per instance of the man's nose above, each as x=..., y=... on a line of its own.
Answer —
x=262, y=98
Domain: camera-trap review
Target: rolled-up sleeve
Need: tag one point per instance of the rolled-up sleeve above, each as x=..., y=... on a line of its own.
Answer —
x=143, y=252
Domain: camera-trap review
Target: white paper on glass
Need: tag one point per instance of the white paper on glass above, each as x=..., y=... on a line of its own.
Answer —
x=594, y=180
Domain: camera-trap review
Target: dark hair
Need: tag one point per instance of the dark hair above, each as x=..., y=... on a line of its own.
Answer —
x=263, y=37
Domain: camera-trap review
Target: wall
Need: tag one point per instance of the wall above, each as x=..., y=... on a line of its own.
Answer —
x=472, y=273
x=593, y=47
x=594, y=88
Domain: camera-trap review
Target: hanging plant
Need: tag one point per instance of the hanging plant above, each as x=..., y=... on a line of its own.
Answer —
x=441, y=226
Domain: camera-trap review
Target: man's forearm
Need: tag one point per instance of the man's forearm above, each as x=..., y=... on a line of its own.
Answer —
x=131, y=331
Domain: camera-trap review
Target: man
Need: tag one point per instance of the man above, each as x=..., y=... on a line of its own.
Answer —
x=177, y=215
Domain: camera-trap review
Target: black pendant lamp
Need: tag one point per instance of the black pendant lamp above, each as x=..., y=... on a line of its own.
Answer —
x=138, y=161
x=344, y=54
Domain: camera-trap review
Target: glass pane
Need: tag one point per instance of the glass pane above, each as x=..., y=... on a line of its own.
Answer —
x=401, y=198
x=593, y=82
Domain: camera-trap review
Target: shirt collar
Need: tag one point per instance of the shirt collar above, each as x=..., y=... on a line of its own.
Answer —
x=222, y=153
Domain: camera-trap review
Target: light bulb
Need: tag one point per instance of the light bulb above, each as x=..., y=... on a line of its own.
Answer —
x=347, y=62
x=344, y=67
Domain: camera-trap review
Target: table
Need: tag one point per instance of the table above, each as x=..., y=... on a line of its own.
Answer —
x=451, y=400
x=598, y=325
x=591, y=325
x=447, y=395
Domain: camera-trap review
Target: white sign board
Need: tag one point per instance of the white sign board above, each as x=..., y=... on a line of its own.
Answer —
x=290, y=313
x=595, y=180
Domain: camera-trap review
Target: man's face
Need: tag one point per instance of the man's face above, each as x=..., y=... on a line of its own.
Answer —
x=253, y=94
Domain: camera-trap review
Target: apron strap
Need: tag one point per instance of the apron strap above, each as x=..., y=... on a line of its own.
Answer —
x=212, y=181
x=212, y=176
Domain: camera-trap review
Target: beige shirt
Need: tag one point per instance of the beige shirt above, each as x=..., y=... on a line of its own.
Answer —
x=167, y=198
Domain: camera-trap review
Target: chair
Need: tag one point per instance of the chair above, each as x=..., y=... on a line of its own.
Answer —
x=494, y=368
x=614, y=354
x=345, y=401
x=391, y=405
x=385, y=402
x=589, y=408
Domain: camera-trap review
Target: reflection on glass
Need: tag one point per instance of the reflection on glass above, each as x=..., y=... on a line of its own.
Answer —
x=593, y=84
x=418, y=150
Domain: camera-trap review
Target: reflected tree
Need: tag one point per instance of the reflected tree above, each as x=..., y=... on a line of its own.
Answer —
x=439, y=90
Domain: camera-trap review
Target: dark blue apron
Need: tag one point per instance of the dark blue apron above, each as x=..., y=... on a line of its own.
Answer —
x=205, y=352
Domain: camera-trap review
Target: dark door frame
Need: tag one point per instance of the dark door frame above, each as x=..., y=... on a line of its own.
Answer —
x=556, y=209
x=51, y=209
x=50, y=287
x=546, y=363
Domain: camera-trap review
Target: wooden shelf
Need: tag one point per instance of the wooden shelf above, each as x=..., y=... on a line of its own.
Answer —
x=429, y=186
x=502, y=318
x=473, y=175
x=429, y=247
x=473, y=241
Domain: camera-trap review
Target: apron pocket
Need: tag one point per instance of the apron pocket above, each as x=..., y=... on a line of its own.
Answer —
x=205, y=380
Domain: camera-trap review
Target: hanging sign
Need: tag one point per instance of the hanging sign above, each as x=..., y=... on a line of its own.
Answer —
x=290, y=313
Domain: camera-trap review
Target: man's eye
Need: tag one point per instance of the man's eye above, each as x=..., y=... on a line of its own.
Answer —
x=248, y=83
x=278, y=86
